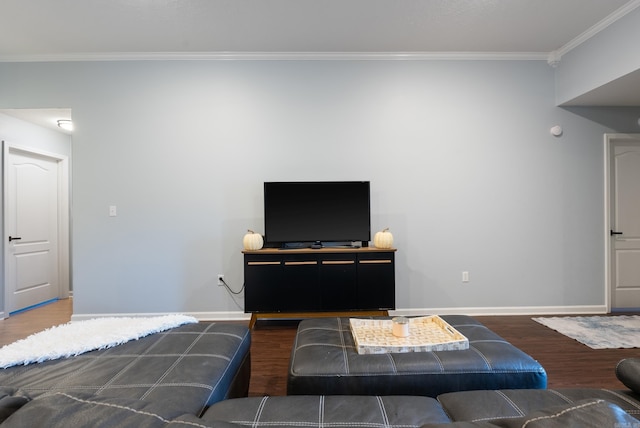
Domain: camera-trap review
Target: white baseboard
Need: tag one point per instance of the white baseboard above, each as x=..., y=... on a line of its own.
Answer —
x=200, y=316
x=519, y=310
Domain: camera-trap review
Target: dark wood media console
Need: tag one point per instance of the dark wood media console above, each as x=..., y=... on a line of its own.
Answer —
x=297, y=283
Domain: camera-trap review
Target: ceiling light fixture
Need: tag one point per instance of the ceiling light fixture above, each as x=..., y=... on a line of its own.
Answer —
x=65, y=124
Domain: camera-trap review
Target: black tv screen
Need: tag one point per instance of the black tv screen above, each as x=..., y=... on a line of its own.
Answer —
x=316, y=211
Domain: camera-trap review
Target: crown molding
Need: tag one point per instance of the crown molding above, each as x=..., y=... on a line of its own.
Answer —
x=555, y=56
x=280, y=56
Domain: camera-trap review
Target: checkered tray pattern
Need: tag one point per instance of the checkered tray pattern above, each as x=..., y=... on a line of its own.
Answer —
x=429, y=333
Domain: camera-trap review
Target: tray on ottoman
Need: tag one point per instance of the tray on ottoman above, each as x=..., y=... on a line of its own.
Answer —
x=426, y=334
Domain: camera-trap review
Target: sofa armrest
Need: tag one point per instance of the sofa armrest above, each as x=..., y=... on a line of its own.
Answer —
x=628, y=372
x=584, y=414
x=10, y=402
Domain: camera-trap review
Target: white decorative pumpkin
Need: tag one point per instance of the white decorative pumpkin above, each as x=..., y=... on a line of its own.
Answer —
x=383, y=239
x=252, y=241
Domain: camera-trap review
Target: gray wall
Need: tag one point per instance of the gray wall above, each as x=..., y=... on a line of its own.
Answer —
x=462, y=166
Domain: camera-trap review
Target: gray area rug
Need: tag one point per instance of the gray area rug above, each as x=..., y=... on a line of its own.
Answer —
x=598, y=332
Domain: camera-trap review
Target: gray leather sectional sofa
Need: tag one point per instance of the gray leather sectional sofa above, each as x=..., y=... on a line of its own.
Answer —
x=189, y=376
x=531, y=408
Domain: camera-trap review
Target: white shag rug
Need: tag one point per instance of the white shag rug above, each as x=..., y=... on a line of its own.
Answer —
x=598, y=332
x=75, y=338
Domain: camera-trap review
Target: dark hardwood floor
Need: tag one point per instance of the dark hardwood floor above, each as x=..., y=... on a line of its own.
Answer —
x=568, y=363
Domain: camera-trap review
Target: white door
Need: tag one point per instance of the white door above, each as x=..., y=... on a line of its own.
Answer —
x=624, y=222
x=32, y=218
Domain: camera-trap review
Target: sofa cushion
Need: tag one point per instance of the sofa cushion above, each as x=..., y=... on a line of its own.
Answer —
x=78, y=410
x=327, y=411
x=497, y=404
x=583, y=414
x=194, y=364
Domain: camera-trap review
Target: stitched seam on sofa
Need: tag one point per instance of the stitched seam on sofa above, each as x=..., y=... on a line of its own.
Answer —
x=511, y=403
x=227, y=367
x=134, y=361
x=466, y=324
x=417, y=373
x=129, y=409
x=481, y=326
x=392, y=361
x=55, y=390
x=308, y=345
x=622, y=397
x=446, y=412
x=495, y=418
x=561, y=413
x=61, y=385
x=564, y=397
x=129, y=356
x=616, y=369
x=329, y=345
x=438, y=360
x=420, y=373
x=383, y=411
x=489, y=341
x=321, y=411
x=259, y=410
x=88, y=362
x=176, y=362
x=483, y=357
x=214, y=387
x=326, y=425
x=345, y=358
x=304, y=329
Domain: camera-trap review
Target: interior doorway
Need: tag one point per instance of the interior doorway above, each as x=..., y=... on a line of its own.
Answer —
x=36, y=227
x=622, y=221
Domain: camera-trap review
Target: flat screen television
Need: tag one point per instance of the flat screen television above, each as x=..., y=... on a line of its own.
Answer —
x=316, y=213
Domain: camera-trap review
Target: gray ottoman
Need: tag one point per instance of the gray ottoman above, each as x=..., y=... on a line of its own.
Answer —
x=324, y=361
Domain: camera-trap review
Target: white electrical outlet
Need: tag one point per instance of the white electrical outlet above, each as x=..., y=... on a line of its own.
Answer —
x=465, y=276
x=220, y=279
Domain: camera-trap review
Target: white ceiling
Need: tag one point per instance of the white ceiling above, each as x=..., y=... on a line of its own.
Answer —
x=72, y=28
x=43, y=30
